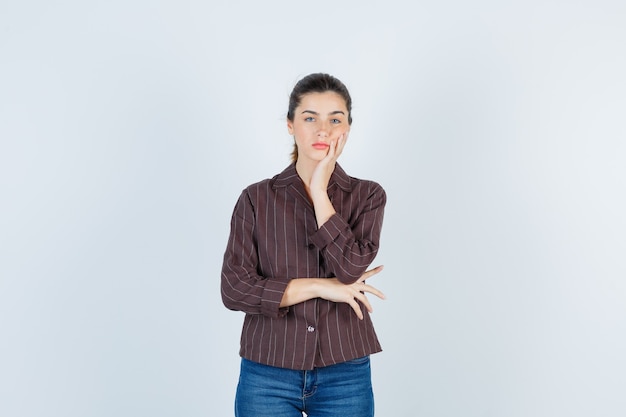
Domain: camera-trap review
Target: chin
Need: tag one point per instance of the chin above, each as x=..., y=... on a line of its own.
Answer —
x=315, y=158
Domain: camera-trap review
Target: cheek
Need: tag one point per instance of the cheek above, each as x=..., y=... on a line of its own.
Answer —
x=339, y=130
x=303, y=130
x=299, y=136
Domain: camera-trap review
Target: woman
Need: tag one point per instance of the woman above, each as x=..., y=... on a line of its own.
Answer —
x=296, y=264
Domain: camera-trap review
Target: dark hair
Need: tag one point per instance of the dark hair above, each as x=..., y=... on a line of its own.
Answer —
x=316, y=83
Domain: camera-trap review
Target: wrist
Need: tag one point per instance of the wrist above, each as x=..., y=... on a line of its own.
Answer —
x=319, y=193
x=299, y=290
x=316, y=286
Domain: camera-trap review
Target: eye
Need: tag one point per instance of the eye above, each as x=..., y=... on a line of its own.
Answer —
x=309, y=119
x=335, y=121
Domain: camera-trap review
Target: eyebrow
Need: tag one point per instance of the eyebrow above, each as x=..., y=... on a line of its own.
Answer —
x=317, y=114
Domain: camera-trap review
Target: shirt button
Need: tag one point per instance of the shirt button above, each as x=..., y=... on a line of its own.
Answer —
x=311, y=246
x=310, y=329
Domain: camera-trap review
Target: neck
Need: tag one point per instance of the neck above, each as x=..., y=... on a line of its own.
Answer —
x=305, y=169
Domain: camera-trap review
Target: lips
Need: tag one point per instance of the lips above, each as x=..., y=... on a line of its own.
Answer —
x=321, y=145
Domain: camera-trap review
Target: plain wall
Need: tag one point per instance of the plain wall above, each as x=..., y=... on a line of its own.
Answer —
x=129, y=128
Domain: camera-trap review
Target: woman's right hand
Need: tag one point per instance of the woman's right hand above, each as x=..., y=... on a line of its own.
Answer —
x=332, y=289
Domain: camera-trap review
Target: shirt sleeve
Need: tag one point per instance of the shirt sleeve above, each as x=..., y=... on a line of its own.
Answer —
x=349, y=248
x=242, y=288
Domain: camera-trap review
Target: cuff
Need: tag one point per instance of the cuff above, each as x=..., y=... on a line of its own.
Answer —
x=329, y=231
x=272, y=296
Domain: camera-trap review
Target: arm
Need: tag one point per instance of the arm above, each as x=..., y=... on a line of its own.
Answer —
x=242, y=288
x=302, y=289
x=347, y=248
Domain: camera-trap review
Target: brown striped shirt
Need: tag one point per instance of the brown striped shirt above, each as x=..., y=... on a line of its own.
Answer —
x=273, y=238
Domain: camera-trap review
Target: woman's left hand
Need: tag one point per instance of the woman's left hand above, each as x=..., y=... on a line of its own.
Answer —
x=324, y=169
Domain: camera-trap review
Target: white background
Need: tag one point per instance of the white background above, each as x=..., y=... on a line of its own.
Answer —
x=129, y=128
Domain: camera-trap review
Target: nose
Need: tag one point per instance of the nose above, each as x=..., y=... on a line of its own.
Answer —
x=323, y=130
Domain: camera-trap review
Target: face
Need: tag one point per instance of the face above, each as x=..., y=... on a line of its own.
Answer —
x=320, y=118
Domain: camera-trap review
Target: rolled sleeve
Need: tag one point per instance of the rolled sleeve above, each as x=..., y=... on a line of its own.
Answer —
x=243, y=289
x=272, y=296
x=330, y=231
x=349, y=248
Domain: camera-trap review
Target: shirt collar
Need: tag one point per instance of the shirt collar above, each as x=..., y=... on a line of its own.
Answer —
x=290, y=176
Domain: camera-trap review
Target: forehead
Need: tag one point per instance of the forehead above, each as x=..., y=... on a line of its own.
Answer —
x=328, y=100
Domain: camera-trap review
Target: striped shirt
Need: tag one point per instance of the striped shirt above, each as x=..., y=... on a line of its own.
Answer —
x=274, y=237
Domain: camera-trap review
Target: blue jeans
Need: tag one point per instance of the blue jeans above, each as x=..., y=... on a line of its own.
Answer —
x=342, y=390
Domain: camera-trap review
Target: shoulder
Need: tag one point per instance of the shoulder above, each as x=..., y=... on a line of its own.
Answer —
x=369, y=186
x=269, y=185
x=367, y=192
x=258, y=186
x=353, y=184
x=360, y=190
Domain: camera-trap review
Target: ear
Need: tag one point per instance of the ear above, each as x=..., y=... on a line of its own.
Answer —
x=290, y=127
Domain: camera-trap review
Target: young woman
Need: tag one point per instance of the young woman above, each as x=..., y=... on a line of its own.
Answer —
x=296, y=264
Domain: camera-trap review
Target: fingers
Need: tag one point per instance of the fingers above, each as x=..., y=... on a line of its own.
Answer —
x=336, y=146
x=357, y=309
x=353, y=294
x=341, y=143
x=363, y=299
x=361, y=289
x=372, y=290
x=370, y=273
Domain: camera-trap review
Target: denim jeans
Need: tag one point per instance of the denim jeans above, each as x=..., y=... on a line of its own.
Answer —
x=342, y=390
